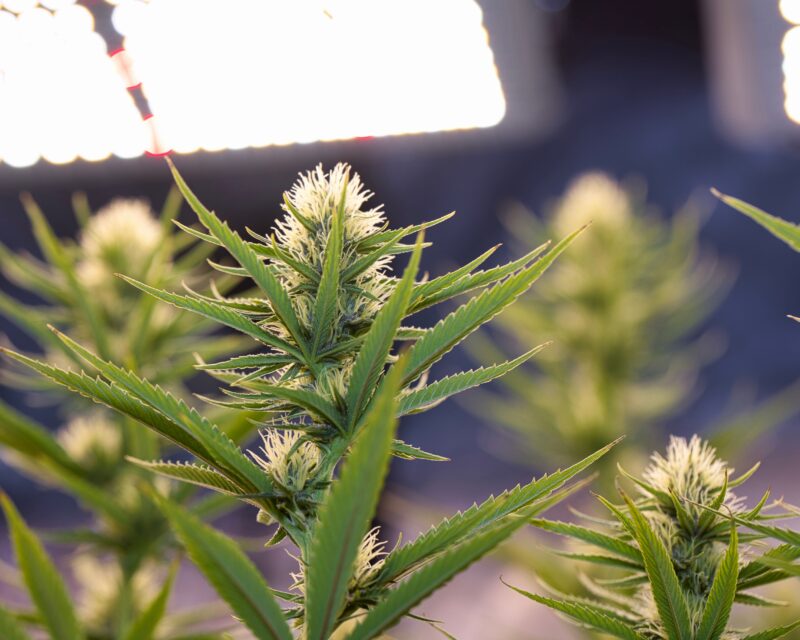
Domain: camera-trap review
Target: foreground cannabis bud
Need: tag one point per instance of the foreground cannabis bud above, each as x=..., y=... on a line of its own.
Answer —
x=678, y=549
x=326, y=313
x=620, y=310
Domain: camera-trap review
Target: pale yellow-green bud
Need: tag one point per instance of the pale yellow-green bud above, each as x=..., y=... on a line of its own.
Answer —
x=368, y=561
x=119, y=238
x=100, y=583
x=596, y=198
x=289, y=464
x=94, y=442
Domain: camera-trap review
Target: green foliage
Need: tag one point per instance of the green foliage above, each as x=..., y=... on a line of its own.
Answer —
x=80, y=294
x=233, y=575
x=679, y=555
x=326, y=314
x=621, y=310
x=345, y=516
x=780, y=228
x=44, y=583
x=10, y=628
x=145, y=625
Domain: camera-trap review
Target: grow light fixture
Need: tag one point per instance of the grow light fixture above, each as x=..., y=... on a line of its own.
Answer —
x=790, y=47
x=239, y=73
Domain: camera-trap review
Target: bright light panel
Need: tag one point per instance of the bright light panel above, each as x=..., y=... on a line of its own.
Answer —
x=240, y=73
x=790, y=47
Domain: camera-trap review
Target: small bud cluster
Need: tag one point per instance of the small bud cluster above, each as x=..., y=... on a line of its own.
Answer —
x=95, y=443
x=119, y=238
x=688, y=477
x=100, y=584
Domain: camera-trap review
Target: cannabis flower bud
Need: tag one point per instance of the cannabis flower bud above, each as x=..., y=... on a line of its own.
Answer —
x=120, y=238
x=101, y=590
x=368, y=561
x=690, y=470
x=303, y=235
x=594, y=198
x=290, y=462
x=94, y=442
x=678, y=488
x=679, y=551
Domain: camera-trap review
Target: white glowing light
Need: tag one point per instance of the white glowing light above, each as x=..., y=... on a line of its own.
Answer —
x=790, y=47
x=54, y=5
x=60, y=97
x=790, y=10
x=18, y=6
x=244, y=73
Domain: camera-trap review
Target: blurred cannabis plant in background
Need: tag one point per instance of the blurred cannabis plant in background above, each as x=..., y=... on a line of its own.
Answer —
x=680, y=557
x=329, y=386
x=621, y=311
x=118, y=559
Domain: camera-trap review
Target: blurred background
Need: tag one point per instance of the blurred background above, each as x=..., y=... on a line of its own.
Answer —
x=458, y=105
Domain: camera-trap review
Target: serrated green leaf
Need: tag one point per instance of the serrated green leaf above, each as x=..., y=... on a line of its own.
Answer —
x=586, y=614
x=707, y=517
x=663, y=496
x=387, y=236
x=249, y=361
x=606, y=542
x=205, y=237
x=239, y=272
x=669, y=598
x=378, y=341
x=451, y=330
x=188, y=472
x=233, y=575
x=226, y=456
x=117, y=398
x=432, y=287
x=778, y=533
x=400, y=600
x=447, y=287
x=365, y=262
x=463, y=524
x=436, y=392
x=780, y=228
x=308, y=400
x=406, y=451
x=45, y=586
x=752, y=600
x=772, y=634
x=720, y=599
x=789, y=568
x=249, y=259
x=346, y=512
x=219, y=313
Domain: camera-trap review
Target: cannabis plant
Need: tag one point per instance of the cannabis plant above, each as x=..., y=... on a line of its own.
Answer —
x=780, y=228
x=329, y=386
x=681, y=557
x=621, y=311
x=118, y=559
